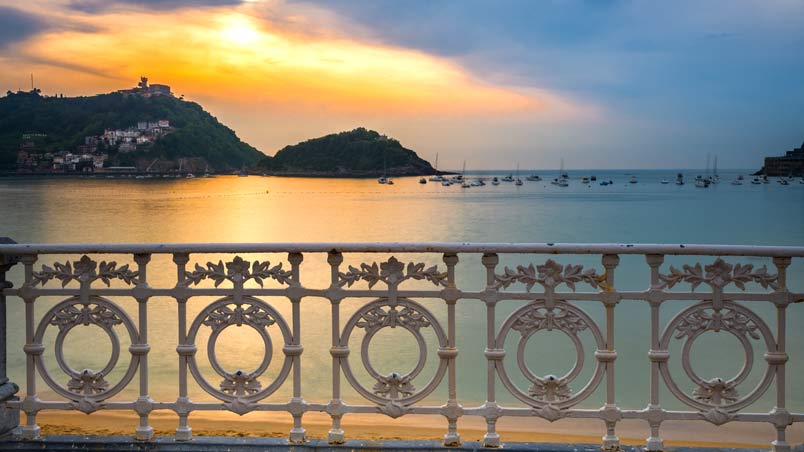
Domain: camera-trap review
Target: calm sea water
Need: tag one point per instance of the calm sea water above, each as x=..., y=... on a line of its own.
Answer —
x=254, y=209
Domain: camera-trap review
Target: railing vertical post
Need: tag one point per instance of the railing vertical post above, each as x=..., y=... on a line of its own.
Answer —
x=452, y=410
x=297, y=434
x=781, y=417
x=144, y=404
x=31, y=403
x=9, y=417
x=335, y=407
x=183, y=432
x=654, y=414
x=610, y=410
x=493, y=354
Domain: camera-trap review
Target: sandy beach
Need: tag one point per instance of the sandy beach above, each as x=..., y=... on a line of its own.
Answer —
x=376, y=427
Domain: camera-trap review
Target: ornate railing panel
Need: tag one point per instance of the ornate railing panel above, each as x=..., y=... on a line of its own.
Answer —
x=397, y=292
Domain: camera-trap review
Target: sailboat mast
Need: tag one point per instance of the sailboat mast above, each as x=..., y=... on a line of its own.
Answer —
x=436, y=165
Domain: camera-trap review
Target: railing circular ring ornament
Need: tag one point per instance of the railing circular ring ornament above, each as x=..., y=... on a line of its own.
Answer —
x=717, y=393
x=86, y=385
x=394, y=388
x=239, y=384
x=550, y=390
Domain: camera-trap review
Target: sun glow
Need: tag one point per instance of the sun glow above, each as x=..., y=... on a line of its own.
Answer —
x=239, y=30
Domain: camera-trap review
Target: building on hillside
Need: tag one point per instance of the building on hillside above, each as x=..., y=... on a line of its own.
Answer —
x=790, y=164
x=145, y=90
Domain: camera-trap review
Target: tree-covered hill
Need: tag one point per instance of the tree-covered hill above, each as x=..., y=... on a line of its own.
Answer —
x=62, y=123
x=357, y=153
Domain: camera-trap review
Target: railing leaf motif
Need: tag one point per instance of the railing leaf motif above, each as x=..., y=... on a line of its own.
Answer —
x=90, y=313
x=84, y=270
x=391, y=272
x=237, y=271
x=240, y=383
x=716, y=391
x=548, y=319
x=378, y=318
x=725, y=319
x=549, y=389
x=719, y=274
x=224, y=316
x=394, y=384
x=88, y=382
x=549, y=275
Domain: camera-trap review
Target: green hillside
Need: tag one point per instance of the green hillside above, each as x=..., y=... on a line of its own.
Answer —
x=357, y=153
x=65, y=121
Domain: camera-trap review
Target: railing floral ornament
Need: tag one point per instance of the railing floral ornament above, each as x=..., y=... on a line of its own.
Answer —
x=430, y=313
x=719, y=274
x=391, y=272
x=238, y=271
x=549, y=275
x=84, y=270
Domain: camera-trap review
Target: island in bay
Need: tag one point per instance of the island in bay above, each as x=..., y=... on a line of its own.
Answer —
x=147, y=129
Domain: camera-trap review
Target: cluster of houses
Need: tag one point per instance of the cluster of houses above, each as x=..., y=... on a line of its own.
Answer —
x=93, y=154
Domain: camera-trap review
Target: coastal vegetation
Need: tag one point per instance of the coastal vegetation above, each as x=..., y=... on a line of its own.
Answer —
x=356, y=153
x=53, y=124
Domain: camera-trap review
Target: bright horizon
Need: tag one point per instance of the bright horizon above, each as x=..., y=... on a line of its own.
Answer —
x=618, y=85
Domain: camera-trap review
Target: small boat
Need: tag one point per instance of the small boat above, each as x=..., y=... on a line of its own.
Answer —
x=508, y=178
x=737, y=182
x=436, y=178
x=533, y=178
x=665, y=181
x=518, y=181
x=190, y=176
x=783, y=181
x=584, y=180
x=756, y=181
x=633, y=180
x=382, y=180
x=765, y=180
x=422, y=181
x=562, y=182
x=679, y=179
x=495, y=181
x=702, y=183
x=801, y=181
x=446, y=183
x=594, y=178
x=390, y=182
x=603, y=183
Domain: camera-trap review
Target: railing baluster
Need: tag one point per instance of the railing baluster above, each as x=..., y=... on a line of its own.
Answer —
x=297, y=434
x=144, y=404
x=183, y=432
x=493, y=355
x=31, y=403
x=654, y=413
x=780, y=415
x=335, y=407
x=452, y=410
x=611, y=413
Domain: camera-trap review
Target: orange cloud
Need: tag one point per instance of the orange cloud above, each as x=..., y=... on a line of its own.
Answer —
x=231, y=55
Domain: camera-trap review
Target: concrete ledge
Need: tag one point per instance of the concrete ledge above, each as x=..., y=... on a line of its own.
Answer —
x=77, y=443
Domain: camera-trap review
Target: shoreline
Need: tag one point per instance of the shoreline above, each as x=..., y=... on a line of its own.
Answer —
x=417, y=427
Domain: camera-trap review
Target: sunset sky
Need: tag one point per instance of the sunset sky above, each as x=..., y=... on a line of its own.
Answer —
x=602, y=84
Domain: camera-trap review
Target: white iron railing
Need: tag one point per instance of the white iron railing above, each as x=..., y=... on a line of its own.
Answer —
x=723, y=305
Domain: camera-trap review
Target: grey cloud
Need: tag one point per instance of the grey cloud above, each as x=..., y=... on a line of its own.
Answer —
x=95, y=6
x=17, y=26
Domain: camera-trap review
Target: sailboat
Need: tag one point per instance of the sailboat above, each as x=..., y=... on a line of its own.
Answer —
x=436, y=178
x=679, y=179
x=382, y=180
x=495, y=181
x=464, y=184
x=518, y=180
x=715, y=179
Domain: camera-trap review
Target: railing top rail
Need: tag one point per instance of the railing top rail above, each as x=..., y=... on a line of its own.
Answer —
x=403, y=247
